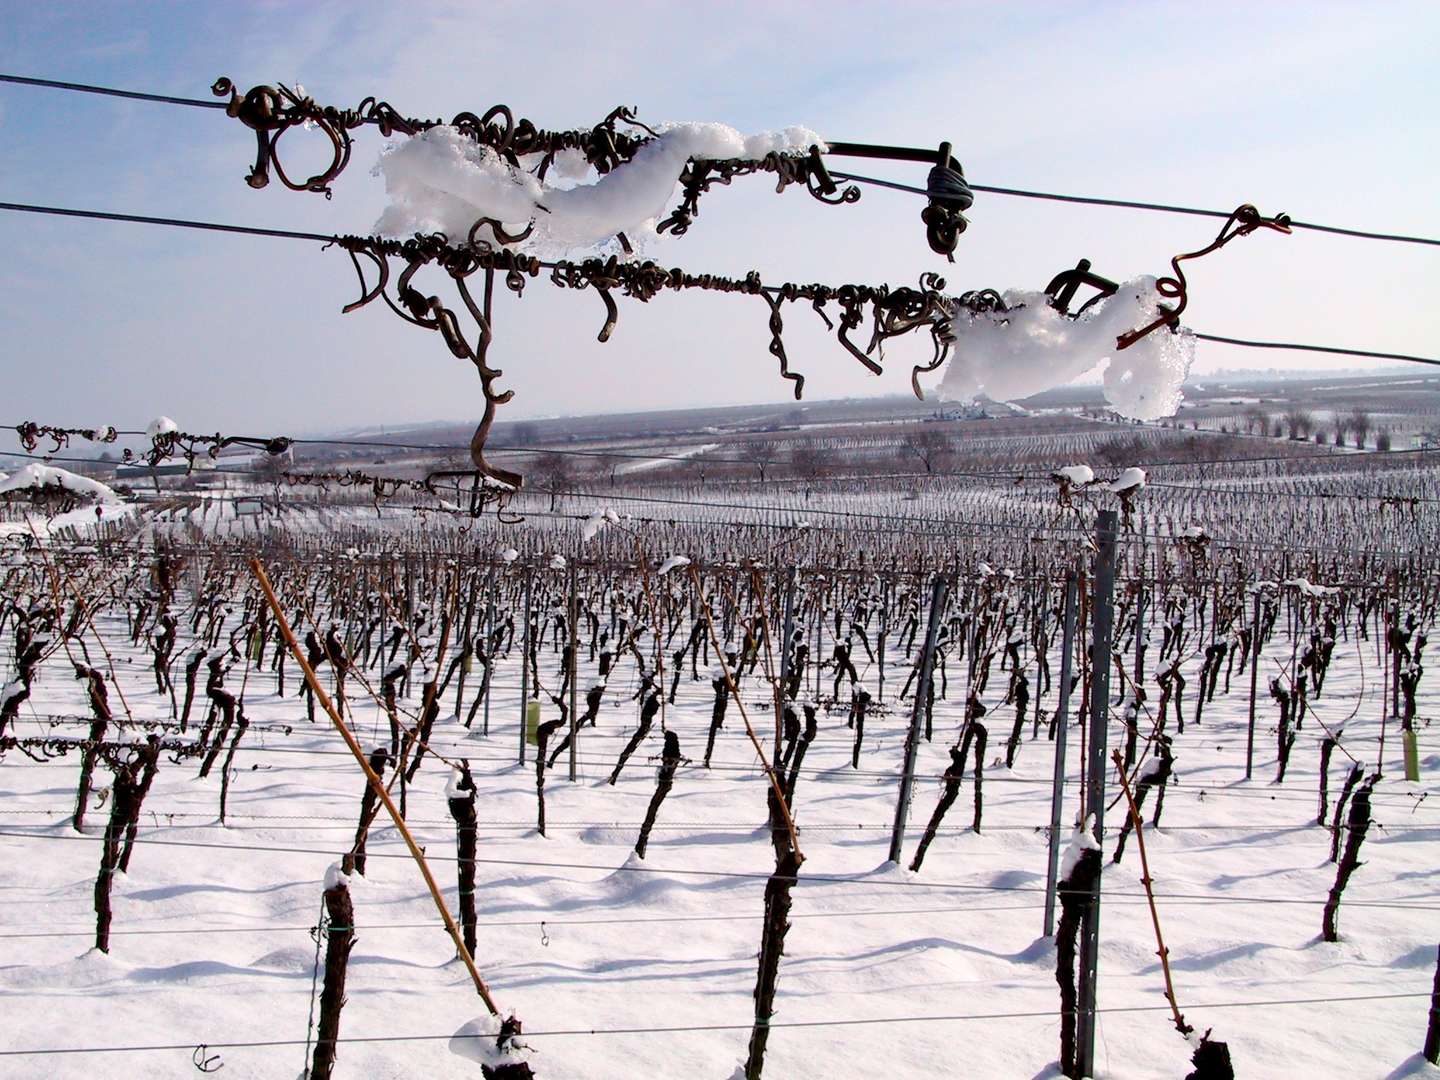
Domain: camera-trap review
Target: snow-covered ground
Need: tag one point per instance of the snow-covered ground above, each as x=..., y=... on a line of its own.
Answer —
x=940, y=973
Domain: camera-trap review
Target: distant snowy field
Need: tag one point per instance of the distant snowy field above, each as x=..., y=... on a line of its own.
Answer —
x=211, y=944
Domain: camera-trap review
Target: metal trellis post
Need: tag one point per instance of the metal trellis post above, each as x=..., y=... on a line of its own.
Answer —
x=1254, y=677
x=912, y=740
x=525, y=664
x=574, y=672
x=785, y=646
x=490, y=649
x=1062, y=710
x=1101, y=645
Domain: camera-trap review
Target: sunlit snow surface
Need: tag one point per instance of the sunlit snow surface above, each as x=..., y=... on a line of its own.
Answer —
x=629, y=944
x=443, y=181
x=1031, y=347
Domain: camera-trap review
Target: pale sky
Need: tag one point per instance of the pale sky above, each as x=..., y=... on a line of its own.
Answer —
x=1322, y=110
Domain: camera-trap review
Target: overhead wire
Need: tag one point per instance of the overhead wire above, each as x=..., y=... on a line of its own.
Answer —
x=287, y=234
x=1130, y=204
x=1023, y=193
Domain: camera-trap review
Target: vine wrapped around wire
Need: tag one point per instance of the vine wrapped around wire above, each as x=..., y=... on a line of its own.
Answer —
x=30, y=434
x=167, y=444
x=271, y=111
x=892, y=312
x=1242, y=222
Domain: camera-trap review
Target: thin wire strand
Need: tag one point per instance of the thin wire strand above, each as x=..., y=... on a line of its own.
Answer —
x=801, y=879
x=107, y=91
x=183, y=223
x=1129, y=204
x=1132, y=204
x=1336, y=350
x=1038, y=1014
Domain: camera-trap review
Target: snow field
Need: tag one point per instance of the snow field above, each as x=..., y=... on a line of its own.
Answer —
x=1240, y=870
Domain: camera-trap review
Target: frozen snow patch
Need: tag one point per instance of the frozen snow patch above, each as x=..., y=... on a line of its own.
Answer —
x=36, y=477
x=1031, y=347
x=1132, y=479
x=477, y=1040
x=443, y=181
x=1080, y=842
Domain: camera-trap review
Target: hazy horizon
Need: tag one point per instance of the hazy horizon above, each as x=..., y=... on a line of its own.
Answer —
x=119, y=323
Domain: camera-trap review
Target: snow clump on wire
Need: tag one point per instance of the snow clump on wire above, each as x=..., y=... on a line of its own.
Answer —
x=597, y=521
x=1031, y=347
x=444, y=181
x=161, y=425
x=35, y=477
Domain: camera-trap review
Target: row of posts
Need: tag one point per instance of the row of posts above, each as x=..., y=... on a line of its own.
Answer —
x=1101, y=637
x=1102, y=624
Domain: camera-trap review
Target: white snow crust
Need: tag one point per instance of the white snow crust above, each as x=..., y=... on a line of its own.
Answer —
x=1080, y=842
x=442, y=181
x=1012, y=354
x=35, y=476
x=1131, y=479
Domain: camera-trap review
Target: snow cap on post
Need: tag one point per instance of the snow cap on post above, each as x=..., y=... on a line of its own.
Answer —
x=1131, y=480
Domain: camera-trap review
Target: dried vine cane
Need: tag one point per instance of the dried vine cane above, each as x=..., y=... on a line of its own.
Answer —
x=655, y=623
x=782, y=803
x=488, y=375
x=375, y=783
x=1245, y=220
x=1160, y=950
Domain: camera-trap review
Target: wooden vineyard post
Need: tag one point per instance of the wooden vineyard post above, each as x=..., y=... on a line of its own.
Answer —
x=884, y=633
x=339, y=930
x=574, y=673
x=1103, y=624
x=1387, y=632
x=785, y=658
x=525, y=663
x=1432, y=1030
x=1254, y=675
x=1138, y=678
x=912, y=740
x=817, y=609
x=376, y=784
x=490, y=651
x=1057, y=794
